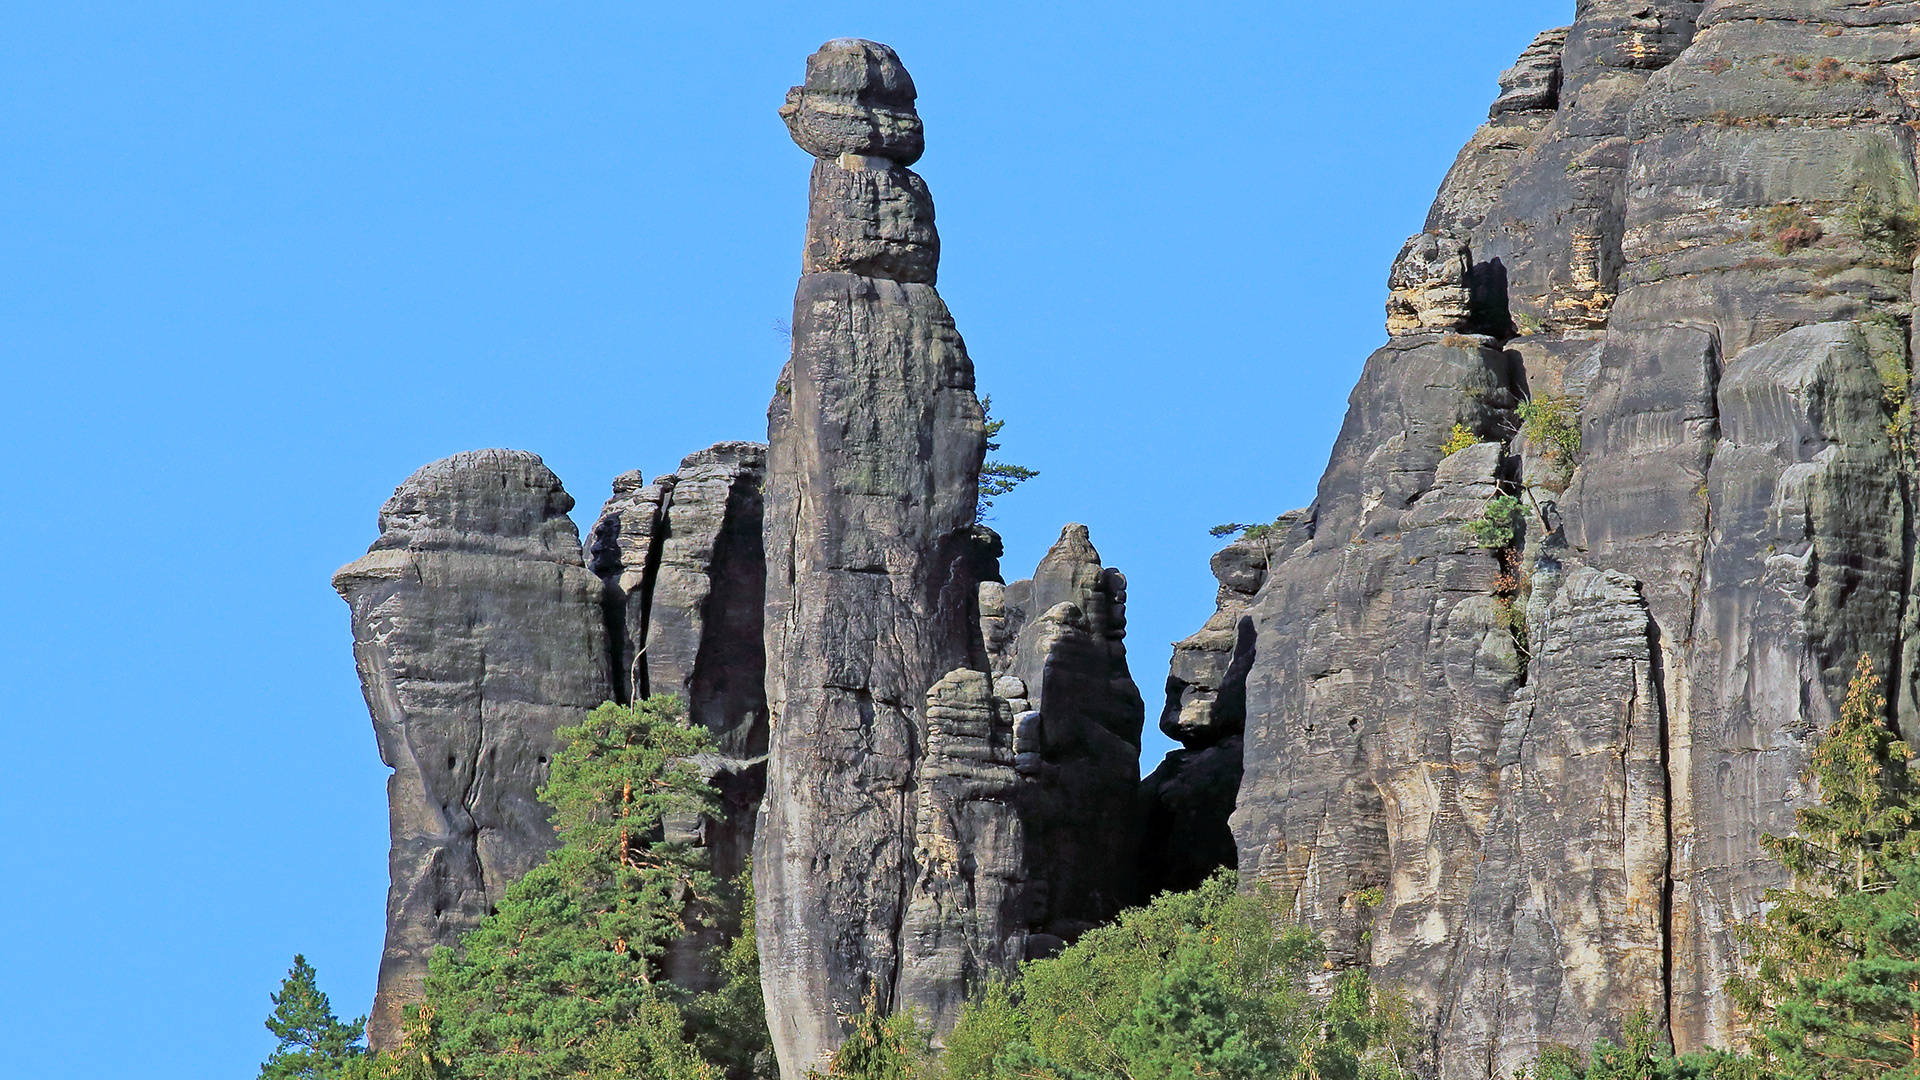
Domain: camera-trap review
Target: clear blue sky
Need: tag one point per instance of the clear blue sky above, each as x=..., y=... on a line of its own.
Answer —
x=260, y=261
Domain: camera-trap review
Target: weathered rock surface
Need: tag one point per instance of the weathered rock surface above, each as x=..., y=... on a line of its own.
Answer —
x=876, y=440
x=478, y=632
x=684, y=575
x=1187, y=800
x=1057, y=643
x=1555, y=761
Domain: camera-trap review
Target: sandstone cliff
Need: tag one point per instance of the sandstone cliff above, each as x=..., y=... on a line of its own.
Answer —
x=1526, y=778
x=1506, y=710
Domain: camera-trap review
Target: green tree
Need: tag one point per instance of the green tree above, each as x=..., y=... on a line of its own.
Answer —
x=998, y=477
x=1835, y=986
x=314, y=1044
x=564, y=979
x=1209, y=983
x=1498, y=526
x=882, y=1047
x=1641, y=1054
x=1188, y=1023
x=729, y=1024
x=416, y=1058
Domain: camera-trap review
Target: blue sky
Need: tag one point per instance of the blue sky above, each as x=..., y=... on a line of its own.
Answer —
x=260, y=261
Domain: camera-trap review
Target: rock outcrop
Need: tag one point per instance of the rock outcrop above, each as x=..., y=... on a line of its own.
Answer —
x=1520, y=763
x=684, y=575
x=1057, y=643
x=478, y=632
x=873, y=824
x=1186, y=802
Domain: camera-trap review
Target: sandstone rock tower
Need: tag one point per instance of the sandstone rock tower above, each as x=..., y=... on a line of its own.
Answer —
x=876, y=441
x=1528, y=784
x=478, y=633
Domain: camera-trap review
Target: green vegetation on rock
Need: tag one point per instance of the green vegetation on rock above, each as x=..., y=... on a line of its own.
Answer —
x=1212, y=982
x=1833, y=989
x=998, y=477
x=1498, y=525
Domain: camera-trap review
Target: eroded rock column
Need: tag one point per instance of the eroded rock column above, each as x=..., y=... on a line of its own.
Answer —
x=876, y=440
x=478, y=633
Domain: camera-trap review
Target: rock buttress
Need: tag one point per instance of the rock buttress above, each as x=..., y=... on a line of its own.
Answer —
x=876, y=440
x=1552, y=765
x=1058, y=648
x=478, y=632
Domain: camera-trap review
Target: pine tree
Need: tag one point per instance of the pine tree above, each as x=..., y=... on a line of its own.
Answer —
x=1836, y=983
x=414, y=1059
x=564, y=980
x=314, y=1044
x=998, y=477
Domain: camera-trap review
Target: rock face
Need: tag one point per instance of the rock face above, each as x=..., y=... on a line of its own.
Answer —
x=882, y=861
x=1523, y=769
x=1187, y=800
x=478, y=632
x=1058, y=648
x=684, y=576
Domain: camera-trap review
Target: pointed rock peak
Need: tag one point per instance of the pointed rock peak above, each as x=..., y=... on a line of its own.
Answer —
x=858, y=99
x=1069, y=573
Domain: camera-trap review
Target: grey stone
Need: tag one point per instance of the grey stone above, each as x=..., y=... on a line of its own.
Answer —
x=684, y=573
x=1533, y=82
x=1061, y=636
x=1556, y=766
x=889, y=760
x=857, y=99
x=1428, y=286
x=478, y=633
x=869, y=216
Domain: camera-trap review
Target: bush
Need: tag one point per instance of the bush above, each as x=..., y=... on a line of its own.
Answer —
x=1552, y=422
x=1789, y=228
x=1498, y=525
x=1208, y=983
x=1457, y=440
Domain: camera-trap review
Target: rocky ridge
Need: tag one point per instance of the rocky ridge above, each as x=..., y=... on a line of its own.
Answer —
x=1506, y=710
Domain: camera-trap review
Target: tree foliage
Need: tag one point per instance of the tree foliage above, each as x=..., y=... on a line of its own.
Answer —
x=1836, y=979
x=1498, y=526
x=563, y=980
x=1208, y=983
x=998, y=477
x=883, y=1047
x=1833, y=989
x=314, y=1044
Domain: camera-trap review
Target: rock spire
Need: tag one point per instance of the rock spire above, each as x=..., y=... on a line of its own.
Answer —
x=889, y=764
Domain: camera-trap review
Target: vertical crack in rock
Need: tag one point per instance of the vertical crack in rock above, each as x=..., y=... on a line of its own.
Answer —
x=684, y=572
x=875, y=445
x=478, y=632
